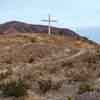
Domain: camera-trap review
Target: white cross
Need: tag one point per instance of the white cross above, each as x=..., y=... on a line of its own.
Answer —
x=49, y=20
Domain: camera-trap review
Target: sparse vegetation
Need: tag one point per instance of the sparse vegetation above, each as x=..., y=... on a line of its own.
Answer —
x=16, y=89
x=8, y=61
x=56, y=85
x=41, y=61
x=85, y=87
x=33, y=40
x=44, y=85
x=5, y=73
x=31, y=60
x=69, y=98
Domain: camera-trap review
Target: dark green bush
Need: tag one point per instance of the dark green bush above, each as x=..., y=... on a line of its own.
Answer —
x=15, y=89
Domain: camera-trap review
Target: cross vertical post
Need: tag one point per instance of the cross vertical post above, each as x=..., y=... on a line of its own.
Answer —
x=49, y=20
x=49, y=25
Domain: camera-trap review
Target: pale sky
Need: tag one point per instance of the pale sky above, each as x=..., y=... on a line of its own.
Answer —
x=69, y=13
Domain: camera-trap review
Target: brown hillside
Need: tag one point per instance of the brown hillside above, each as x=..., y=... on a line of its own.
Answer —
x=14, y=27
x=51, y=67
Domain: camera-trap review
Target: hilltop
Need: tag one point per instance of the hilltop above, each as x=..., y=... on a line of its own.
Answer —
x=22, y=27
x=14, y=27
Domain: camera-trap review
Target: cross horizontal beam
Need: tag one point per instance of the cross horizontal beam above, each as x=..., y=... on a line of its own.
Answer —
x=48, y=20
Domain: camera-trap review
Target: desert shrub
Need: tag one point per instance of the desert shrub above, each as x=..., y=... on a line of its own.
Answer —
x=31, y=60
x=9, y=61
x=16, y=88
x=44, y=85
x=88, y=96
x=91, y=60
x=69, y=98
x=63, y=64
x=5, y=74
x=85, y=87
x=56, y=85
x=32, y=40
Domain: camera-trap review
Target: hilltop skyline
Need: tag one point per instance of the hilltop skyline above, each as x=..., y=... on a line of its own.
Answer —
x=71, y=14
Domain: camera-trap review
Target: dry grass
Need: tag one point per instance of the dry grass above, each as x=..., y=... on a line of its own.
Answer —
x=38, y=58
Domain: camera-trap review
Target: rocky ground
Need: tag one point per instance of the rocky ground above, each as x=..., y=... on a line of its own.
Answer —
x=53, y=67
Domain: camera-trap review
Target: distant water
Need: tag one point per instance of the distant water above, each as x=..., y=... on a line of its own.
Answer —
x=90, y=33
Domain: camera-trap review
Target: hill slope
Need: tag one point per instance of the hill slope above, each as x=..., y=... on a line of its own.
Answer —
x=15, y=27
x=39, y=60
